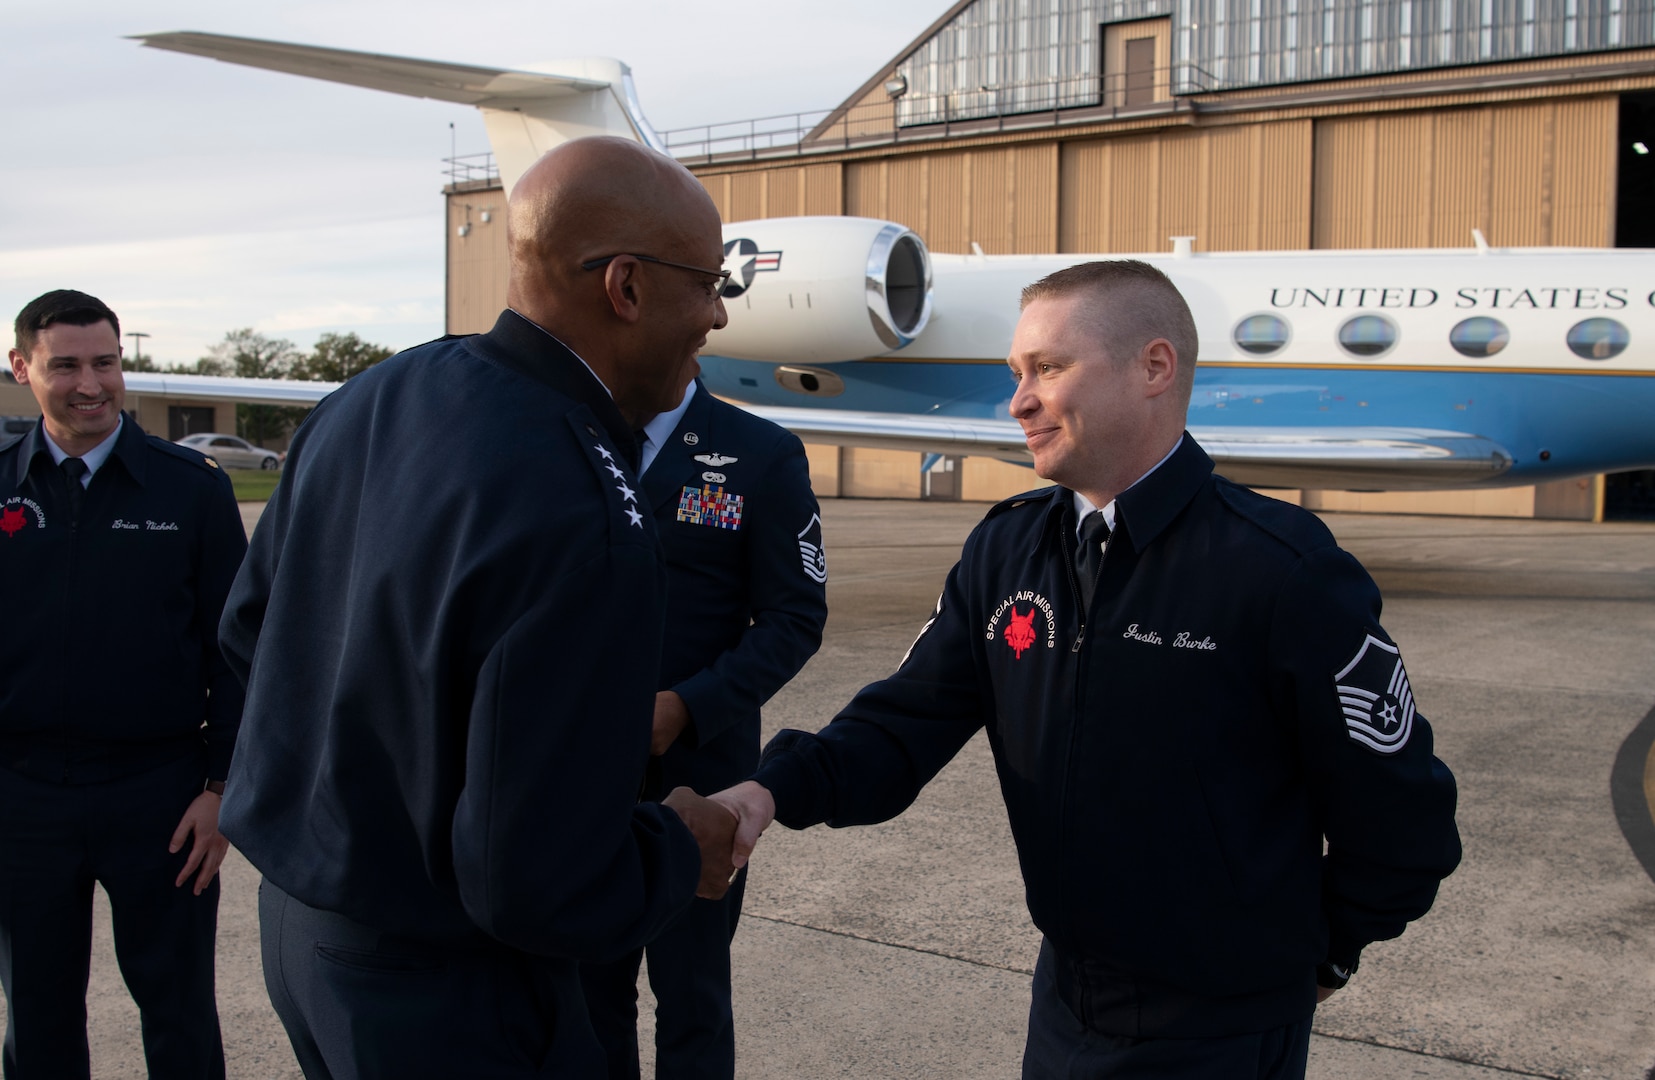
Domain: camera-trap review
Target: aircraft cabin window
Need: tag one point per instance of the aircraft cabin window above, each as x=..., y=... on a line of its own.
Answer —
x=1368, y=336
x=1480, y=336
x=1262, y=335
x=1598, y=339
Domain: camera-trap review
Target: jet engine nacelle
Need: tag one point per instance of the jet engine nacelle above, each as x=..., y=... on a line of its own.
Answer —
x=822, y=290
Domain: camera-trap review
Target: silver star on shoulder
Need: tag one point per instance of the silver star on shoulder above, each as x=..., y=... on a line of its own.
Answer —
x=612, y=469
x=637, y=518
x=606, y=455
x=626, y=492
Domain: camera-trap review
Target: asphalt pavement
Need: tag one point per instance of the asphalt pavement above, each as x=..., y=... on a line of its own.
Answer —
x=904, y=950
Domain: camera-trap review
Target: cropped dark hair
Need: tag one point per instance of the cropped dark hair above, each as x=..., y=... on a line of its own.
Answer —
x=1142, y=305
x=61, y=306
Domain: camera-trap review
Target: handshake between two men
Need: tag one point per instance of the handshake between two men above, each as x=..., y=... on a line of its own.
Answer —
x=727, y=826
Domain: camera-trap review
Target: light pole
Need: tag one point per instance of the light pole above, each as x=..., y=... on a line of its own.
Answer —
x=137, y=337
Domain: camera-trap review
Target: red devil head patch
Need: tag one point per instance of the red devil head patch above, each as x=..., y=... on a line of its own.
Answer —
x=12, y=520
x=1020, y=631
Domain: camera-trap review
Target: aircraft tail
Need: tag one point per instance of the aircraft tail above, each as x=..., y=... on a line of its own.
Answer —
x=526, y=112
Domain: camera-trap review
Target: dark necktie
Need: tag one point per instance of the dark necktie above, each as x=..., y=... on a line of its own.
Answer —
x=1094, y=534
x=73, y=469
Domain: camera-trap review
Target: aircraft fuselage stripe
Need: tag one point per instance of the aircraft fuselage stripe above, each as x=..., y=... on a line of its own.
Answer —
x=1279, y=366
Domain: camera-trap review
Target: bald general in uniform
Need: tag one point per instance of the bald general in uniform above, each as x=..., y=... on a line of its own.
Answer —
x=449, y=624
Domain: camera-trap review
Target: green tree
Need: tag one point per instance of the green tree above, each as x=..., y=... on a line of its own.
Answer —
x=339, y=356
x=142, y=363
x=252, y=355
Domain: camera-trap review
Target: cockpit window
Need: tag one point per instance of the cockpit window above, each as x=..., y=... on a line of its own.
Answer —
x=1262, y=335
x=1598, y=339
x=1367, y=336
x=1479, y=337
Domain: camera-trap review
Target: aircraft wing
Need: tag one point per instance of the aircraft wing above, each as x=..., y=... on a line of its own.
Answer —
x=459, y=83
x=1334, y=458
x=1348, y=458
x=220, y=388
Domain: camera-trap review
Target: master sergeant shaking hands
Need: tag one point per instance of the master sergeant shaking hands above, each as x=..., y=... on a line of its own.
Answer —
x=1186, y=689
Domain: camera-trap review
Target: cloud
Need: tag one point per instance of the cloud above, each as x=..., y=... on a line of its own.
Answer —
x=381, y=279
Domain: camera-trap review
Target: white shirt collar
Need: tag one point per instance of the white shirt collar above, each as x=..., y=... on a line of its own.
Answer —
x=1084, y=506
x=572, y=352
x=94, y=457
x=657, y=430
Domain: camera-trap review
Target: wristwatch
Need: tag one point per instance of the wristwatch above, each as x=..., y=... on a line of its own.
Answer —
x=1331, y=976
x=216, y=787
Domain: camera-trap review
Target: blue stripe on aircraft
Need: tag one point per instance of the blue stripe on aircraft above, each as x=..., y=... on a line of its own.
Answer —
x=1586, y=422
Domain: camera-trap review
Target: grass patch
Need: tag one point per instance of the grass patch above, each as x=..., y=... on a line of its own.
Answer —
x=253, y=485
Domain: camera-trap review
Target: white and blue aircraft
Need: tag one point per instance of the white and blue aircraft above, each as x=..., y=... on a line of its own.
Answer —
x=1362, y=370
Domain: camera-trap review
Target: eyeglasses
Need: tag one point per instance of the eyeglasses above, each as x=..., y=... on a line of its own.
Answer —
x=717, y=287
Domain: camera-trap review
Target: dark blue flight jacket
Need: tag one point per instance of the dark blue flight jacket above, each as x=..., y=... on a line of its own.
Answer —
x=111, y=664
x=450, y=624
x=1172, y=760
x=747, y=594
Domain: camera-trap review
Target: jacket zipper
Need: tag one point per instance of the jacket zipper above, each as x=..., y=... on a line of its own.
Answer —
x=68, y=596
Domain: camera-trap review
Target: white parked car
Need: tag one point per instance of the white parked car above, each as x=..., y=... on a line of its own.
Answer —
x=233, y=452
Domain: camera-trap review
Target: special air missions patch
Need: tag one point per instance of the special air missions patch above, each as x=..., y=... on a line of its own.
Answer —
x=1375, y=696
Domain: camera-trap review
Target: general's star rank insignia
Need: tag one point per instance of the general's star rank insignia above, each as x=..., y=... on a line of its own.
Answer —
x=1375, y=697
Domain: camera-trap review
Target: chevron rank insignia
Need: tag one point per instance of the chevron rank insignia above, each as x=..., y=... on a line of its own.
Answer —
x=1375, y=697
x=810, y=551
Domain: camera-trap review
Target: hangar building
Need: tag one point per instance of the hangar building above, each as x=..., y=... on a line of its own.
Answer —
x=1037, y=126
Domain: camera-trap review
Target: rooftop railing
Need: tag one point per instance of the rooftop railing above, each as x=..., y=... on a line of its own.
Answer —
x=917, y=113
x=472, y=171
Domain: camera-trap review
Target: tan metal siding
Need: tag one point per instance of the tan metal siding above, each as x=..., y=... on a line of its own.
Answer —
x=1135, y=194
x=1342, y=199
x=948, y=184
x=1519, y=211
x=865, y=188
x=1034, y=201
x=993, y=209
x=1583, y=172
x=1283, y=195
x=477, y=262
x=783, y=197
x=907, y=193
x=1232, y=172
x=718, y=186
x=1083, y=195
x=747, y=196
x=1183, y=190
x=1401, y=178
x=1525, y=173
x=1459, y=177
x=821, y=189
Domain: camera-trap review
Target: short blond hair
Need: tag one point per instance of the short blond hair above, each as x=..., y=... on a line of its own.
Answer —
x=1133, y=303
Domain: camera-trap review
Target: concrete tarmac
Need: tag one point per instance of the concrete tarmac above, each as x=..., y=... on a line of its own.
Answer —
x=904, y=950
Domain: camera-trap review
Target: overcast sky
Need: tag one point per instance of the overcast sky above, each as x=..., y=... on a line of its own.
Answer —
x=197, y=197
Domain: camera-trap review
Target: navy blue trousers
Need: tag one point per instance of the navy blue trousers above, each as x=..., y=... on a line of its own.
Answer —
x=1061, y=1047
x=689, y=972
x=56, y=843
x=359, y=1004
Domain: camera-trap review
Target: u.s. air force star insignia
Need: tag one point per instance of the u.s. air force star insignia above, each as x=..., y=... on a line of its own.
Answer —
x=1375, y=697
